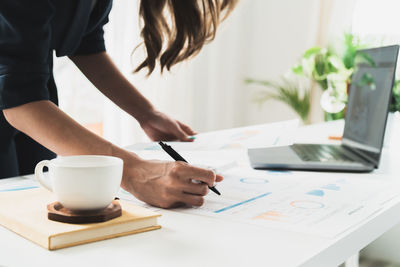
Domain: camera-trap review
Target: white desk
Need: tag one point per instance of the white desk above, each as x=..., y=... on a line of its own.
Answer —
x=189, y=240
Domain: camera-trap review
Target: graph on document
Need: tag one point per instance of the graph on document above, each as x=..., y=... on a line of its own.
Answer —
x=325, y=206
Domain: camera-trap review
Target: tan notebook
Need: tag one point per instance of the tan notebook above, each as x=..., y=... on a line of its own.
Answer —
x=25, y=213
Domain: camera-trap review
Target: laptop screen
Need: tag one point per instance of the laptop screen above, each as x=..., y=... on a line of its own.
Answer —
x=369, y=99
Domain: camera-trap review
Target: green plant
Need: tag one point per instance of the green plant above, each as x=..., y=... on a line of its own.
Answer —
x=288, y=92
x=331, y=69
x=395, y=104
x=351, y=45
x=317, y=63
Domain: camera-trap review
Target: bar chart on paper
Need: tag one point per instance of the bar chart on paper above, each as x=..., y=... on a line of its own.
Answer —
x=306, y=204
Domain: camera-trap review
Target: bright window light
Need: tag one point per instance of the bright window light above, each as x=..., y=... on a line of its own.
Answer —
x=376, y=18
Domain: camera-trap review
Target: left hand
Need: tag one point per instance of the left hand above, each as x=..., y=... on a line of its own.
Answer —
x=160, y=127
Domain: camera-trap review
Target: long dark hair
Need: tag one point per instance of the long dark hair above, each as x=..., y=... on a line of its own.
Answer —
x=175, y=30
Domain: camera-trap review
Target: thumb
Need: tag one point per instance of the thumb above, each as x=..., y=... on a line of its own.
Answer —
x=219, y=178
x=180, y=134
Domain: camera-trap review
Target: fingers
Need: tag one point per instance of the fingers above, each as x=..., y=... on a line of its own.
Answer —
x=188, y=193
x=187, y=173
x=186, y=128
x=180, y=134
x=219, y=178
x=195, y=189
x=180, y=186
x=183, y=132
x=192, y=200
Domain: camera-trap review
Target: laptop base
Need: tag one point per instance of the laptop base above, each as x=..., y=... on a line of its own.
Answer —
x=285, y=158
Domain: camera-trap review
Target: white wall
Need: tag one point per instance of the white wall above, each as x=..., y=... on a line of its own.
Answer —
x=283, y=30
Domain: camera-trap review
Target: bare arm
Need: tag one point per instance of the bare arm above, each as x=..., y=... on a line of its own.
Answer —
x=163, y=184
x=51, y=127
x=102, y=72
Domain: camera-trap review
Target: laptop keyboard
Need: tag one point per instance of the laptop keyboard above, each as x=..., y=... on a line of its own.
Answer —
x=320, y=153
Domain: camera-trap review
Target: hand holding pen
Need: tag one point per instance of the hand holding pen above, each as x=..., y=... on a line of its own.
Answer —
x=175, y=155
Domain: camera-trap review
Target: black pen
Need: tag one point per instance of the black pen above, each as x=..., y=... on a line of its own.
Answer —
x=170, y=151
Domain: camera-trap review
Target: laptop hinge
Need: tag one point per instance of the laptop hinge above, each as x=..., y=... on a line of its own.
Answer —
x=361, y=155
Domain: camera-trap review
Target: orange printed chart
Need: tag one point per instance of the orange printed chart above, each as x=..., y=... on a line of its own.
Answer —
x=270, y=216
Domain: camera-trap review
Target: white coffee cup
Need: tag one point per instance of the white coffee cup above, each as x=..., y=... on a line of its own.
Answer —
x=82, y=182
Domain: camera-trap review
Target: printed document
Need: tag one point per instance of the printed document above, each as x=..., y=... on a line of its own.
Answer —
x=308, y=203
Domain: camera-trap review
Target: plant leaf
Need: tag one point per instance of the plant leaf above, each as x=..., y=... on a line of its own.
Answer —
x=259, y=82
x=286, y=92
x=298, y=69
x=312, y=51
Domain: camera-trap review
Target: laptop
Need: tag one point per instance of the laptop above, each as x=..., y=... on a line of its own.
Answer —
x=367, y=110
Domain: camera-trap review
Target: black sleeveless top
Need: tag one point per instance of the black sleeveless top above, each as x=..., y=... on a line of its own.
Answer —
x=30, y=32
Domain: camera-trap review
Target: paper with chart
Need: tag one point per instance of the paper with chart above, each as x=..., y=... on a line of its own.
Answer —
x=264, y=135
x=18, y=183
x=301, y=202
x=325, y=206
x=219, y=161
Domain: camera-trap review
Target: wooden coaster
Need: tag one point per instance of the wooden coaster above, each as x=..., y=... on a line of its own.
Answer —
x=56, y=212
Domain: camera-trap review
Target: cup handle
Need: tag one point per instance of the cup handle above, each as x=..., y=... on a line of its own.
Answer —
x=40, y=176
